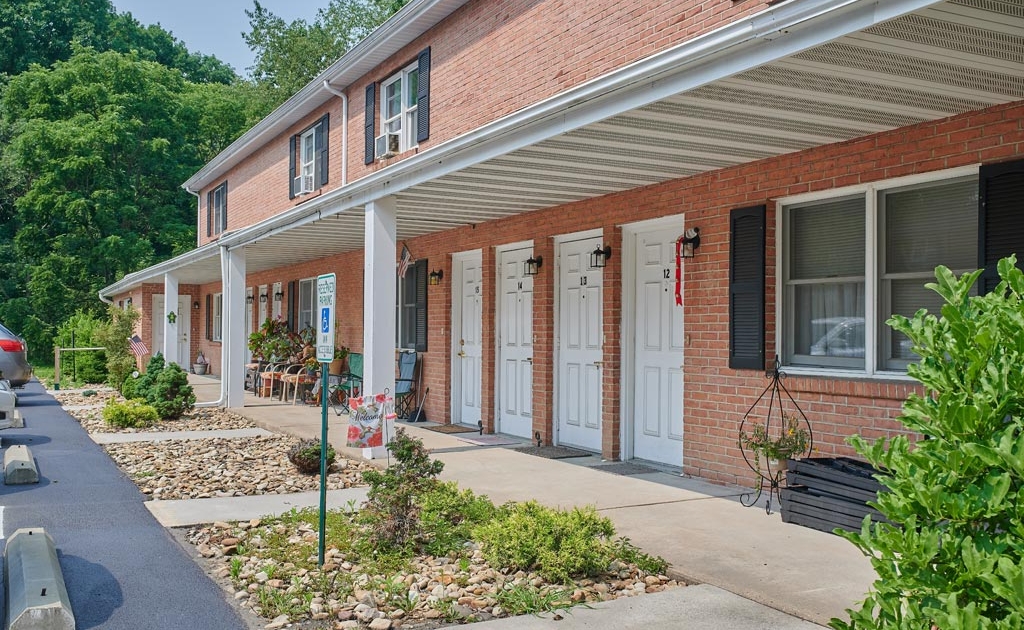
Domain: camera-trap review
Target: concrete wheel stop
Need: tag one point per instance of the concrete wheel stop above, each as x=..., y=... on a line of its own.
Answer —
x=37, y=598
x=19, y=466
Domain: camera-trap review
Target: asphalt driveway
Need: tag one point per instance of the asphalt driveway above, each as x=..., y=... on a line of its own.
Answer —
x=123, y=570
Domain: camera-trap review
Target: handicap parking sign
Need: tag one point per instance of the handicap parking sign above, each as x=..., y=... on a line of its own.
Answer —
x=325, y=320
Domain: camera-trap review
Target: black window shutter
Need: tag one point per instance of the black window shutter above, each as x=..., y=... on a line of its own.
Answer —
x=420, y=278
x=746, y=288
x=209, y=214
x=322, y=135
x=369, y=122
x=293, y=303
x=1000, y=218
x=209, y=316
x=423, y=97
x=224, y=210
x=292, y=149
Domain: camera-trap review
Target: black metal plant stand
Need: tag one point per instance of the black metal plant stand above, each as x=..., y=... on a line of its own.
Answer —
x=774, y=480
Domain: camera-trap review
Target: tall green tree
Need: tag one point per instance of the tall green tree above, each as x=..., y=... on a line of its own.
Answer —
x=290, y=55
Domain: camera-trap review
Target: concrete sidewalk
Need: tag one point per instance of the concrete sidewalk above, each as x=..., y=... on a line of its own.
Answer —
x=699, y=528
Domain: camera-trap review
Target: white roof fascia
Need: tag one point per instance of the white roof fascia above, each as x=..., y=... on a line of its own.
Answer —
x=168, y=266
x=774, y=33
x=400, y=29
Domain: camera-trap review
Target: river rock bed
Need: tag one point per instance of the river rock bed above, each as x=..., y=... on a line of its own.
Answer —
x=88, y=411
x=221, y=467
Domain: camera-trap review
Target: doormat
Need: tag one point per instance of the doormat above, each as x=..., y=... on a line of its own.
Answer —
x=490, y=440
x=626, y=468
x=452, y=428
x=553, y=452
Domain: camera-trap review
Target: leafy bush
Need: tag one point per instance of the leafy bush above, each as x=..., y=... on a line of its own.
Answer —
x=559, y=545
x=130, y=388
x=391, y=513
x=171, y=395
x=82, y=330
x=130, y=414
x=449, y=515
x=954, y=557
x=148, y=379
x=306, y=456
x=113, y=336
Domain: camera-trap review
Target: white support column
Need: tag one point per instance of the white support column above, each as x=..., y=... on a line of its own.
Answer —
x=233, y=341
x=379, y=286
x=171, y=333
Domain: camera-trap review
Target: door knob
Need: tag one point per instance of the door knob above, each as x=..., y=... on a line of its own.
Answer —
x=598, y=363
x=529, y=360
x=461, y=353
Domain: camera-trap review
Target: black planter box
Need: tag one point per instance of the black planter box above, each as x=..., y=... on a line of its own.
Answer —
x=827, y=493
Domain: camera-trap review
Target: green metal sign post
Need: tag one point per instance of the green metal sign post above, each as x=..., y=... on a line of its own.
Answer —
x=325, y=293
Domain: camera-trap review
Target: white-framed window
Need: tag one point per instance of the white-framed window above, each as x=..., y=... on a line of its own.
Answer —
x=307, y=159
x=398, y=105
x=217, y=210
x=307, y=298
x=852, y=258
x=218, y=316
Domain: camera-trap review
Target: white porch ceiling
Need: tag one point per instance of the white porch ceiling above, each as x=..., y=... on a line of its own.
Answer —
x=951, y=58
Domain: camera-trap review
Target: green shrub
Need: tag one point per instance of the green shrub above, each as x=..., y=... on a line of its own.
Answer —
x=391, y=513
x=147, y=381
x=559, y=545
x=449, y=515
x=170, y=394
x=82, y=330
x=130, y=388
x=954, y=555
x=306, y=456
x=130, y=414
x=113, y=335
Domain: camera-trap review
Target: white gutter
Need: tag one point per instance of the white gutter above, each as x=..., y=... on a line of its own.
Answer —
x=167, y=266
x=776, y=32
x=344, y=130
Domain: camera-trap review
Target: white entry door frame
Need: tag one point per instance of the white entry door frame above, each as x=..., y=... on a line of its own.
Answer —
x=467, y=337
x=184, y=324
x=657, y=354
x=513, y=378
x=579, y=341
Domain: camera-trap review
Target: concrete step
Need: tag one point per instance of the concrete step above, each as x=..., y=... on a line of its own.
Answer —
x=37, y=598
x=19, y=466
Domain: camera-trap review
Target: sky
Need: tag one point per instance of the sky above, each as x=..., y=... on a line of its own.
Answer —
x=214, y=27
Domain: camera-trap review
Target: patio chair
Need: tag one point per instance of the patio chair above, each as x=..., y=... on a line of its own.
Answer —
x=407, y=385
x=345, y=385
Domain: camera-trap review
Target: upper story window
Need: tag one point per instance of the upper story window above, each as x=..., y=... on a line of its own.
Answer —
x=217, y=210
x=398, y=99
x=852, y=260
x=307, y=158
x=404, y=102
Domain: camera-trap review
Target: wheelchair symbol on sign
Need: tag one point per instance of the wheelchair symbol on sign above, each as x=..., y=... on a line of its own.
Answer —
x=325, y=320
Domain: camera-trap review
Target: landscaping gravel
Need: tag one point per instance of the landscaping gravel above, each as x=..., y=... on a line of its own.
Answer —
x=88, y=411
x=221, y=467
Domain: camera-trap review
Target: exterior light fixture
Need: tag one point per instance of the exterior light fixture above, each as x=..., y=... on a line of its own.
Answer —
x=599, y=257
x=690, y=241
x=278, y=296
x=263, y=298
x=532, y=265
x=435, y=277
x=249, y=299
x=195, y=305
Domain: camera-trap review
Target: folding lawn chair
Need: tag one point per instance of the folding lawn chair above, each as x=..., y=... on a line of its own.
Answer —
x=343, y=386
x=407, y=385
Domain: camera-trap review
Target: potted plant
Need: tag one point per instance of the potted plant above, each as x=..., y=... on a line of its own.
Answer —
x=338, y=365
x=775, y=447
x=273, y=341
x=201, y=364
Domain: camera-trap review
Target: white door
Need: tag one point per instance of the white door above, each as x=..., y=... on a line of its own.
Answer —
x=263, y=297
x=515, y=344
x=249, y=299
x=184, y=314
x=658, y=351
x=580, y=346
x=467, y=347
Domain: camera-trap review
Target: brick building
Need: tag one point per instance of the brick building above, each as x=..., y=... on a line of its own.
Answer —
x=829, y=153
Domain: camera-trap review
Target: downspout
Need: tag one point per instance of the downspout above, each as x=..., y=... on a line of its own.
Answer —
x=199, y=210
x=344, y=130
x=220, y=402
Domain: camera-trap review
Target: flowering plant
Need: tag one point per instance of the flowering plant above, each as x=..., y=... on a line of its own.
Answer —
x=792, y=439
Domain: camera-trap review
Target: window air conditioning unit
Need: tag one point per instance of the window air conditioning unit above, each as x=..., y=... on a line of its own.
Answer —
x=385, y=145
x=303, y=184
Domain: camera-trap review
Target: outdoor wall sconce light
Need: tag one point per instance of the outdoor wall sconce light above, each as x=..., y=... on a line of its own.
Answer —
x=249, y=299
x=435, y=277
x=195, y=305
x=599, y=257
x=263, y=298
x=278, y=296
x=690, y=241
x=128, y=302
x=532, y=265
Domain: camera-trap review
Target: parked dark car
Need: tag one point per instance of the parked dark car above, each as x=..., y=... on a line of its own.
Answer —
x=14, y=363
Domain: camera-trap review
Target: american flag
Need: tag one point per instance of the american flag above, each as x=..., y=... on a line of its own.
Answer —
x=138, y=348
x=404, y=262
